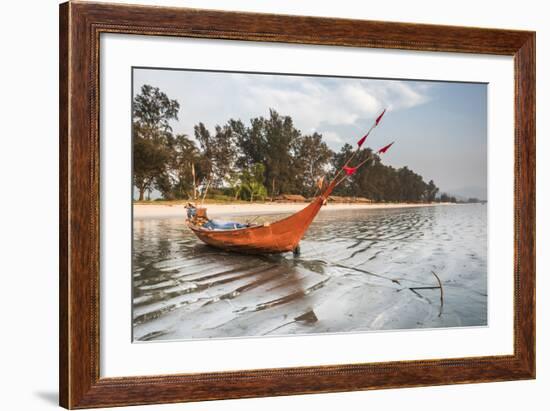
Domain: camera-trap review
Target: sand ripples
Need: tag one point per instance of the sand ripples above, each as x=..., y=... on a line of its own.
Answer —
x=353, y=274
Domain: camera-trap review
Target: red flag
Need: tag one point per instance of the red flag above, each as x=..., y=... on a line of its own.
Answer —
x=380, y=117
x=360, y=142
x=350, y=170
x=384, y=149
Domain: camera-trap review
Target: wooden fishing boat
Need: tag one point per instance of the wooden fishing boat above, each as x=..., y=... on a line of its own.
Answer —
x=276, y=237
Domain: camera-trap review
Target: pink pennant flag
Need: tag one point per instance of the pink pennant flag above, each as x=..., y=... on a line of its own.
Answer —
x=380, y=117
x=350, y=170
x=385, y=148
x=360, y=142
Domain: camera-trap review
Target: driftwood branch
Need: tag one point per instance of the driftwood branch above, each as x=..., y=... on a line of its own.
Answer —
x=440, y=286
x=440, y=289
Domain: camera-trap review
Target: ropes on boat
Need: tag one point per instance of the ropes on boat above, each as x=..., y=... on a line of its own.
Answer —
x=346, y=168
x=198, y=218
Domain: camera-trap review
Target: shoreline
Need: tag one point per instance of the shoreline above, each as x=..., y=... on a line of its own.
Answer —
x=151, y=211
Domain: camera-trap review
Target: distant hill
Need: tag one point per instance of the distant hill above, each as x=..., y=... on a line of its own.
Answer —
x=464, y=193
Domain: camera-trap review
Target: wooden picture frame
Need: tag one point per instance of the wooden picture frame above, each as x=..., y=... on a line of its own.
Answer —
x=80, y=27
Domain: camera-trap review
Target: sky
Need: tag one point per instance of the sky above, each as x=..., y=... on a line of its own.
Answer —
x=439, y=128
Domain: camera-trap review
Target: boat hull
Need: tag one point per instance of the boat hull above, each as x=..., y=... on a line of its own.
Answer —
x=278, y=237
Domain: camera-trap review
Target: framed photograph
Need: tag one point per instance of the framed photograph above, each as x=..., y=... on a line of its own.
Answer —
x=259, y=205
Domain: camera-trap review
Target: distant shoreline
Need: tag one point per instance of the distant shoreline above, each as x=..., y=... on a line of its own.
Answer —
x=150, y=211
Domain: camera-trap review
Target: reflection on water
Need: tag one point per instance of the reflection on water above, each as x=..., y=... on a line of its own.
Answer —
x=354, y=273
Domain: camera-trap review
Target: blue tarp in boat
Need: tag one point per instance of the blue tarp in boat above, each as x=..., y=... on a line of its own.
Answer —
x=223, y=225
x=212, y=224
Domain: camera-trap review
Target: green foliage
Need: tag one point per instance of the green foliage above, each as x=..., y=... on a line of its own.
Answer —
x=248, y=183
x=379, y=182
x=252, y=182
x=153, y=110
x=446, y=198
x=186, y=167
x=266, y=157
x=432, y=191
x=150, y=157
x=310, y=162
x=473, y=200
x=152, y=113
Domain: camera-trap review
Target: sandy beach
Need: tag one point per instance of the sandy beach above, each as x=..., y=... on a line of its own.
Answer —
x=145, y=211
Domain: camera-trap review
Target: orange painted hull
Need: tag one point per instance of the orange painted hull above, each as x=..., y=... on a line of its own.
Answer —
x=278, y=237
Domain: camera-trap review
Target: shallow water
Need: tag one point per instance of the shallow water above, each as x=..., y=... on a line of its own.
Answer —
x=358, y=270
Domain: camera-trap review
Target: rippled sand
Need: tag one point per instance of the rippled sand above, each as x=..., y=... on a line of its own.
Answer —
x=355, y=273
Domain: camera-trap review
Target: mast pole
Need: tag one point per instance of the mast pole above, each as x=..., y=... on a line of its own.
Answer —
x=360, y=143
x=333, y=183
x=205, y=191
x=354, y=153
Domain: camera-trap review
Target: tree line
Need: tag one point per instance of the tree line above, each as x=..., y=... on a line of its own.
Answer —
x=264, y=158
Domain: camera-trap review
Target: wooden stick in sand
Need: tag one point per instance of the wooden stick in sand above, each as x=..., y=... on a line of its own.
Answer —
x=441, y=296
x=440, y=286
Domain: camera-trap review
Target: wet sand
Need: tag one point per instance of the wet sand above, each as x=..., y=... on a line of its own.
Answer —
x=143, y=211
x=359, y=270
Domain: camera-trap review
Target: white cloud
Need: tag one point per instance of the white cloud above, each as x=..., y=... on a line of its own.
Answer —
x=319, y=104
x=316, y=102
x=332, y=136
